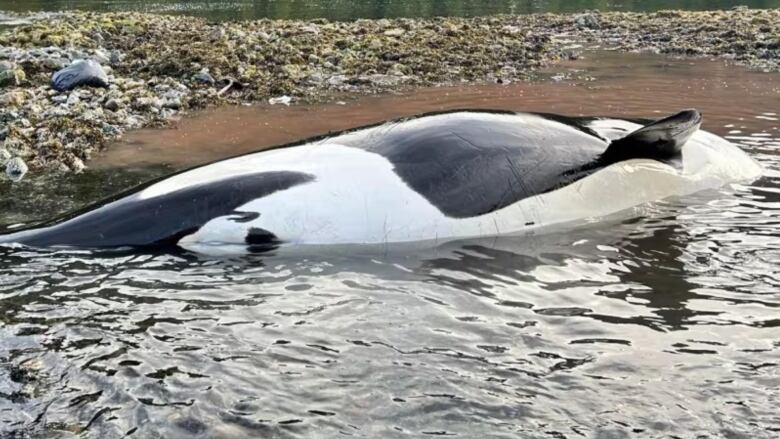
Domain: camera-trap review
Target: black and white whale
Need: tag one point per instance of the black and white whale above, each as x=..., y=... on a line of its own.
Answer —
x=434, y=177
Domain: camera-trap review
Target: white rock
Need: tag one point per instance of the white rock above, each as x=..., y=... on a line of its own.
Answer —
x=284, y=100
x=73, y=99
x=15, y=169
x=101, y=56
x=397, y=32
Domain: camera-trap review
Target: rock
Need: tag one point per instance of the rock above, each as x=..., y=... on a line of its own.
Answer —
x=204, y=77
x=74, y=163
x=337, y=80
x=55, y=63
x=310, y=29
x=511, y=30
x=284, y=100
x=116, y=57
x=375, y=44
x=3, y=133
x=59, y=99
x=110, y=130
x=6, y=66
x=111, y=104
x=4, y=155
x=398, y=69
x=146, y=103
x=217, y=34
x=587, y=21
x=101, y=57
x=11, y=78
x=12, y=98
x=397, y=32
x=73, y=99
x=174, y=103
x=15, y=169
x=81, y=72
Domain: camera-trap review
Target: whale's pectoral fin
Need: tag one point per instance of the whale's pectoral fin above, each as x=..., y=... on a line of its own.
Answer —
x=661, y=140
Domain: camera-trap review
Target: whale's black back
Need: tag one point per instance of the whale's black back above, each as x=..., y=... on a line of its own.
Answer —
x=467, y=166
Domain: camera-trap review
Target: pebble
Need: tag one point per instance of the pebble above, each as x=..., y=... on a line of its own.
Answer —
x=217, y=34
x=73, y=99
x=112, y=104
x=204, y=77
x=55, y=63
x=15, y=169
x=101, y=57
x=397, y=32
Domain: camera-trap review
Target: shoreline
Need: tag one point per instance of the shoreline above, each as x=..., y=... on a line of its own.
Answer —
x=162, y=66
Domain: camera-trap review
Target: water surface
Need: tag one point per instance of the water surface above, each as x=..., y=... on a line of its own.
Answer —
x=352, y=9
x=661, y=325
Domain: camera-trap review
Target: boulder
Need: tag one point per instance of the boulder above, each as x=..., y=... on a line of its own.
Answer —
x=82, y=72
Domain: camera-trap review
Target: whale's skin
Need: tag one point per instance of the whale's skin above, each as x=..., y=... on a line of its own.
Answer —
x=433, y=178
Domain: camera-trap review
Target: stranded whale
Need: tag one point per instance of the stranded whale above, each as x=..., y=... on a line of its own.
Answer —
x=434, y=177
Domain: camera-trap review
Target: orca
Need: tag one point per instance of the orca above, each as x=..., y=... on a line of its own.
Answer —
x=429, y=178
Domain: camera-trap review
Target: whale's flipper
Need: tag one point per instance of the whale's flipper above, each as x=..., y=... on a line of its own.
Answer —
x=660, y=140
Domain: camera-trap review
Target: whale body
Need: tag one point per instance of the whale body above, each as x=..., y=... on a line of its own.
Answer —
x=434, y=177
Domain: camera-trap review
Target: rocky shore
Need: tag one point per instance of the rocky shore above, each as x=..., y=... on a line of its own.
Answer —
x=159, y=66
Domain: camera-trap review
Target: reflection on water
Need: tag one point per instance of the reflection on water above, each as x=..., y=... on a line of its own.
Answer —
x=349, y=10
x=44, y=196
x=661, y=326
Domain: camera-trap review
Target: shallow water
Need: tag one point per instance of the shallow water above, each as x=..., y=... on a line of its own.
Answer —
x=666, y=325
x=350, y=9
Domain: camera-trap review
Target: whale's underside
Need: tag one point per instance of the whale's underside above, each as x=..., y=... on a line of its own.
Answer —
x=466, y=164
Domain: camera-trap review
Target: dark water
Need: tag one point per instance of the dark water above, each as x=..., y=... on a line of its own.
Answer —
x=667, y=325
x=351, y=9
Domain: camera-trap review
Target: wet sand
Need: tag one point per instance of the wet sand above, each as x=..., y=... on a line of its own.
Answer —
x=600, y=83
